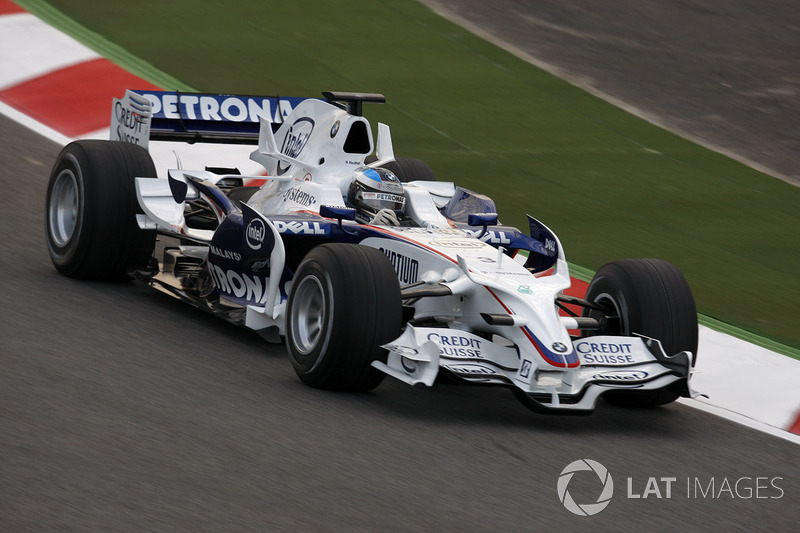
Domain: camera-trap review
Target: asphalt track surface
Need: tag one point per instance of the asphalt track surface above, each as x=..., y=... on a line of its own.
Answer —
x=724, y=74
x=122, y=409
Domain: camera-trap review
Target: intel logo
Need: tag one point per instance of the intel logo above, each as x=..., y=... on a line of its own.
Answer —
x=622, y=375
x=255, y=233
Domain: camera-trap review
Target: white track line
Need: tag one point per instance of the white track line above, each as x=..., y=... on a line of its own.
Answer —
x=30, y=123
x=29, y=48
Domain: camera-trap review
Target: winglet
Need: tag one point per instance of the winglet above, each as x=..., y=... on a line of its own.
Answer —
x=130, y=119
x=384, y=150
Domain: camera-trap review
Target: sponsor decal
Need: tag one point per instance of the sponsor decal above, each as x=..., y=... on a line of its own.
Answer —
x=218, y=108
x=605, y=353
x=384, y=197
x=541, y=233
x=240, y=285
x=299, y=196
x=457, y=243
x=486, y=260
x=560, y=347
x=130, y=124
x=402, y=350
x=474, y=370
x=391, y=184
x=525, y=368
x=491, y=236
x=225, y=254
x=602, y=359
x=299, y=228
x=457, y=346
x=424, y=231
x=506, y=273
x=296, y=139
x=407, y=268
x=622, y=375
x=525, y=289
x=255, y=232
x=335, y=129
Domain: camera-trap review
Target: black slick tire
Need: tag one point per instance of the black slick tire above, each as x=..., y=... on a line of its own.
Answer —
x=91, y=207
x=408, y=169
x=649, y=297
x=344, y=304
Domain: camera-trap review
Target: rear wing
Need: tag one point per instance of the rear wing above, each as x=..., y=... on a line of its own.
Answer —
x=141, y=116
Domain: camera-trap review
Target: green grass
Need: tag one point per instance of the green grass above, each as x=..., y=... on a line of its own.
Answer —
x=611, y=185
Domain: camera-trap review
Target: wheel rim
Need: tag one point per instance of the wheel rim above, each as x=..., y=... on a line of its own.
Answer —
x=620, y=315
x=63, y=214
x=308, y=314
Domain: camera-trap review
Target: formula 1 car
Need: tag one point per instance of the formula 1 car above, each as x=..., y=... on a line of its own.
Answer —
x=365, y=264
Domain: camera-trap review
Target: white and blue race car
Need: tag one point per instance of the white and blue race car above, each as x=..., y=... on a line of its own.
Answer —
x=363, y=262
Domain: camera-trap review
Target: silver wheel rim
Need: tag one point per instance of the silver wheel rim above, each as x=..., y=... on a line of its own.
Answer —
x=309, y=309
x=63, y=213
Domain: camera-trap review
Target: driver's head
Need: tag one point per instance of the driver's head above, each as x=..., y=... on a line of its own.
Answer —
x=374, y=189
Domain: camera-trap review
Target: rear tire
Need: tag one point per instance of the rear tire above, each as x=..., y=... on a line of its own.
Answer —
x=408, y=169
x=650, y=297
x=91, y=208
x=344, y=304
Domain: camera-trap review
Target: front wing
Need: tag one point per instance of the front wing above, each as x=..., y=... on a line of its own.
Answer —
x=607, y=363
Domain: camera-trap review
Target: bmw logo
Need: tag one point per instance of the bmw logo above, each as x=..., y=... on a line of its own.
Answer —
x=334, y=129
x=560, y=347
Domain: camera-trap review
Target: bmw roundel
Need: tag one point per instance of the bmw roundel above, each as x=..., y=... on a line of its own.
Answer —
x=559, y=347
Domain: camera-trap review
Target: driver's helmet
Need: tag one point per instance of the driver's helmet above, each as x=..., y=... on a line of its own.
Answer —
x=373, y=189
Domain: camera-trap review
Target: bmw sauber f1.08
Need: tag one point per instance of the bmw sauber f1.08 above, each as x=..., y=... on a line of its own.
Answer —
x=363, y=262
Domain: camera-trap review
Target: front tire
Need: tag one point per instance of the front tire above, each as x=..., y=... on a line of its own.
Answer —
x=91, y=210
x=649, y=297
x=344, y=304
